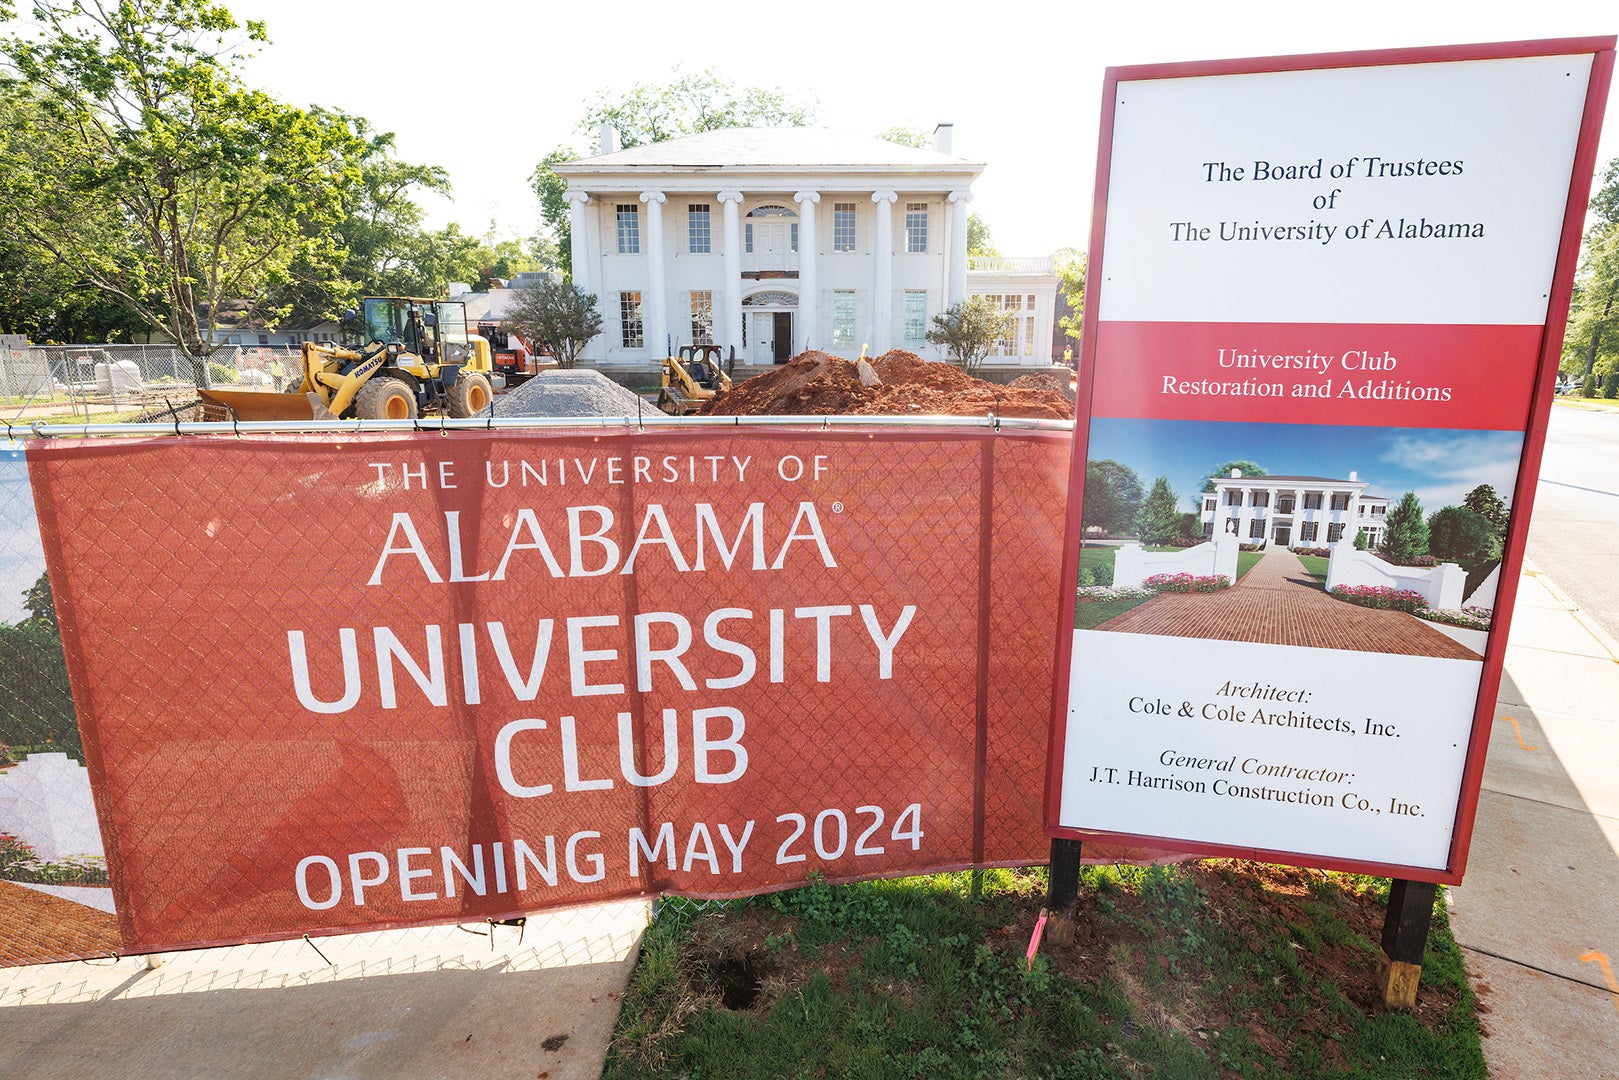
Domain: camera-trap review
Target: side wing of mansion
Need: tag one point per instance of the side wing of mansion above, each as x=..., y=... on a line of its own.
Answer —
x=1293, y=511
x=770, y=241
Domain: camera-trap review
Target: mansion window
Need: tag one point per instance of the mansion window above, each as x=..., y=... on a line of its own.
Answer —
x=916, y=318
x=702, y=318
x=1256, y=529
x=629, y=229
x=1208, y=505
x=1260, y=498
x=1340, y=501
x=1335, y=533
x=747, y=237
x=1019, y=337
x=843, y=319
x=1208, y=529
x=1308, y=532
x=1284, y=504
x=629, y=320
x=916, y=228
x=843, y=226
x=1233, y=498
x=1312, y=500
x=1378, y=511
x=699, y=234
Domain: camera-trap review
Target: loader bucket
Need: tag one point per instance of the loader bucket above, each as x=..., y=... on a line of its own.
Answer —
x=256, y=405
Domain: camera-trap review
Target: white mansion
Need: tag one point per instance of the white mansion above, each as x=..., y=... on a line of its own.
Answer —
x=769, y=241
x=1293, y=511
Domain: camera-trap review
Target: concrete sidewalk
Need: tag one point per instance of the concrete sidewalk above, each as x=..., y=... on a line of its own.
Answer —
x=431, y=1002
x=1537, y=915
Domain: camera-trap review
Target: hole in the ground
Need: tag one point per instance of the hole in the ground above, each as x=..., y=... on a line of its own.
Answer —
x=738, y=979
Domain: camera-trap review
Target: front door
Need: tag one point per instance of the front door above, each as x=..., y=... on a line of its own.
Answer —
x=1284, y=535
x=783, y=329
x=764, y=337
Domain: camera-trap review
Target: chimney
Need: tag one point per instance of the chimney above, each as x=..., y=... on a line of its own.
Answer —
x=609, y=138
x=1236, y=474
x=941, y=137
x=1353, y=476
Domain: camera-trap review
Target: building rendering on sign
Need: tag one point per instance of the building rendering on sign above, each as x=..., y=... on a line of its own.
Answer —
x=770, y=241
x=1293, y=511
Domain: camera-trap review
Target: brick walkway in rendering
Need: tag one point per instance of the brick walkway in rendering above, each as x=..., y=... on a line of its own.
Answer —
x=1279, y=603
x=36, y=928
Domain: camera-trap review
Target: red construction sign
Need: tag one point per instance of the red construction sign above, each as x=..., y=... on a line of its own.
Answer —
x=1325, y=309
x=333, y=683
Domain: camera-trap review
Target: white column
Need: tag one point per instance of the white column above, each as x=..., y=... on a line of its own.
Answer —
x=956, y=257
x=808, y=289
x=654, y=305
x=583, y=279
x=882, y=255
x=731, y=296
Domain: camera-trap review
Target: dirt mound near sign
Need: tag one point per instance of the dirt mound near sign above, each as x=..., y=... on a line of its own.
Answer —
x=815, y=383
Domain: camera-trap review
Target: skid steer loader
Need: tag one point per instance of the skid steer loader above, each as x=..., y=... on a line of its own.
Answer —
x=691, y=378
x=417, y=357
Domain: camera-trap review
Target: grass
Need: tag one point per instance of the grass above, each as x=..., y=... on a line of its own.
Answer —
x=1090, y=614
x=1315, y=566
x=1217, y=969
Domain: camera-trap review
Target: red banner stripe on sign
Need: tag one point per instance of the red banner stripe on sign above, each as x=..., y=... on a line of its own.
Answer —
x=1382, y=375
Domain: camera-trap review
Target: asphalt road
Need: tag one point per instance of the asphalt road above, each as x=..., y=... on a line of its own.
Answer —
x=1574, y=536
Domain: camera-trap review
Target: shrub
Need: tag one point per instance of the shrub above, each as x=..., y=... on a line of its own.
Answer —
x=1187, y=583
x=1099, y=593
x=1086, y=578
x=222, y=374
x=1472, y=618
x=1250, y=547
x=1382, y=597
x=1318, y=552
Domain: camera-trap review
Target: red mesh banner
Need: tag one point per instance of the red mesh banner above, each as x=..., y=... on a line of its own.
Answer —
x=340, y=683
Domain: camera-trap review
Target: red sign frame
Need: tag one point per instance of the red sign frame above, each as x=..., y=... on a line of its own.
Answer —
x=1538, y=404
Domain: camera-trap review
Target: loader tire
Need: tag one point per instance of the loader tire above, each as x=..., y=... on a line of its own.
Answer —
x=384, y=398
x=470, y=395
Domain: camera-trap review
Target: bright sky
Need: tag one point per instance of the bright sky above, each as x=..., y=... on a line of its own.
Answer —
x=486, y=90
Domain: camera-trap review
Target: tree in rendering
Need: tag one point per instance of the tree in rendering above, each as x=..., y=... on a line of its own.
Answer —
x=1158, y=521
x=1407, y=536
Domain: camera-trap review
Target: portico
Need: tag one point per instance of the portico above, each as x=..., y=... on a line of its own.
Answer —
x=770, y=241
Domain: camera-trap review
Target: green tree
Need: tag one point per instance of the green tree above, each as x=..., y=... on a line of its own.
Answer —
x=1483, y=500
x=1406, y=537
x=1223, y=472
x=1158, y=520
x=1113, y=495
x=969, y=330
x=649, y=112
x=1463, y=536
x=916, y=139
x=555, y=314
x=979, y=241
x=154, y=174
x=1070, y=266
x=37, y=601
x=1362, y=543
x=1590, y=345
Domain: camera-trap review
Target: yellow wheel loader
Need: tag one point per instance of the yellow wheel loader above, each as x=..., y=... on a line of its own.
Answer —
x=691, y=378
x=417, y=358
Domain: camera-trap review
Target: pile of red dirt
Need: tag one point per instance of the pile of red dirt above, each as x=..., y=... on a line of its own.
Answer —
x=818, y=384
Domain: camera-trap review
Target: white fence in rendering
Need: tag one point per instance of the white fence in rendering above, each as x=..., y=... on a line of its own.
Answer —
x=1132, y=565
x=1441, y=585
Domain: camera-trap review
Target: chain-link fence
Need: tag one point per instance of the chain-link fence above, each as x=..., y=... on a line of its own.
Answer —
x=888, y=635
x=90, y=381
